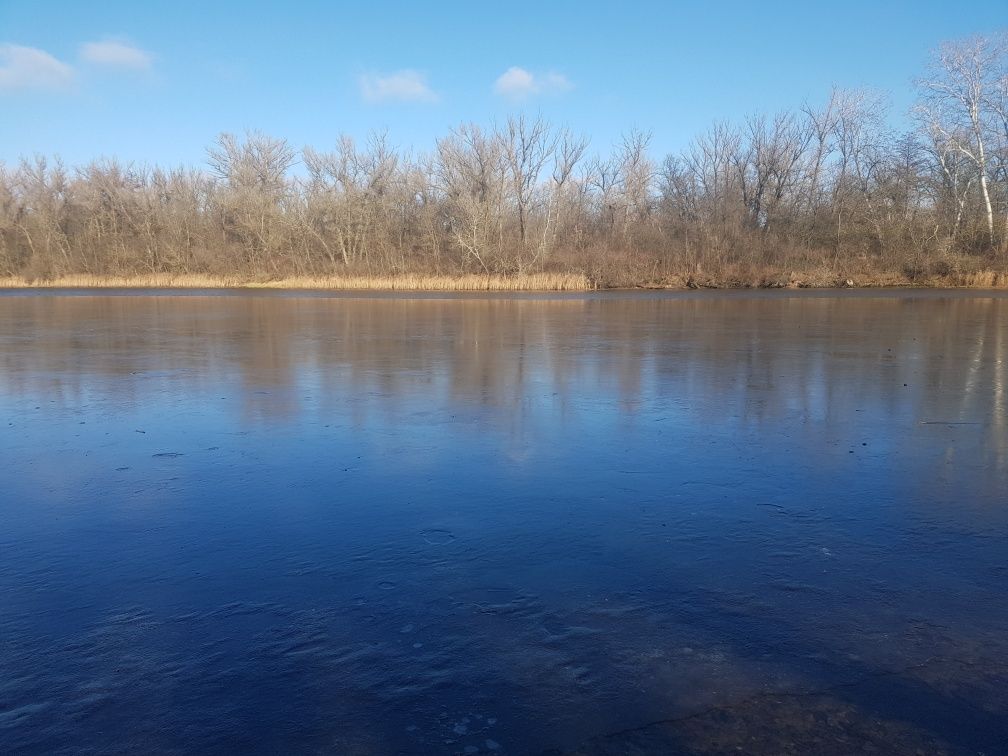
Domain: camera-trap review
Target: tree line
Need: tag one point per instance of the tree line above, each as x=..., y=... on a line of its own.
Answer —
x=828, y=188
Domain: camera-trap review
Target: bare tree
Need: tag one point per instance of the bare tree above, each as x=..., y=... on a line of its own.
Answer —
x=834, y=188
x=602, y=177
x=956, y=96
x=349, y=196
x=952, y=182
x=564, y=192
x=471, y=173
x=255, y=171
x=46, y=196
x=526, y=146
x=636, y=173
x=768, y=168
x=997, y=104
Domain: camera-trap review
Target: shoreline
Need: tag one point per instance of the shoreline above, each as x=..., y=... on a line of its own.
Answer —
x=533, y=282
x=434, y=283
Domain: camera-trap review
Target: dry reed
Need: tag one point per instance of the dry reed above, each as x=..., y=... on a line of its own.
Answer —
x=731, y=277
x=404, y=282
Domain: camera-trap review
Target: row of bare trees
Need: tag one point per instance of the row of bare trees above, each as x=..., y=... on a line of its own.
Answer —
x=831, y=184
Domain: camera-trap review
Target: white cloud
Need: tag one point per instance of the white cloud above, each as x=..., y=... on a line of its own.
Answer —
x=30, y=68
x=117, y=54
x=518, y=84
x=402, y=86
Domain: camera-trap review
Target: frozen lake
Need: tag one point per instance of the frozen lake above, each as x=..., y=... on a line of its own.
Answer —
x=688, y=523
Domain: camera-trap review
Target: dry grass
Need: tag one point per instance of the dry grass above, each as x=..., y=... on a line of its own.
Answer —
x=733, y=276
x=406, y=282
x=983, y=279
x=741, y=276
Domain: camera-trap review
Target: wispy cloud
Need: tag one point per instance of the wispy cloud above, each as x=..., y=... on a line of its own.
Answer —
x=31, y=68
x=115, y=54
x=400, y=86
x=518, y=84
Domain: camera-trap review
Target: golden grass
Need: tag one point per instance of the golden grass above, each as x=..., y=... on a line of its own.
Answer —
x=405, y=282
x=729, y=277
x=984, y=279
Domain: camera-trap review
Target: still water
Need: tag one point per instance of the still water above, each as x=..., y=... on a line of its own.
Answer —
x=591, y=524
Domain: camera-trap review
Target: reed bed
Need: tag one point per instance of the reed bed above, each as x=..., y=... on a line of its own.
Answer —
x=731, y=277
x=984, y=279
x=403, y=282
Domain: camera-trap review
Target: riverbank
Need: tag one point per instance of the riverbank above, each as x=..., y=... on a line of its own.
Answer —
x=406, y=282
x=726, y=279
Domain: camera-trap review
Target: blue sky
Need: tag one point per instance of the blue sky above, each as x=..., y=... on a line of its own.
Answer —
x=156, y=81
